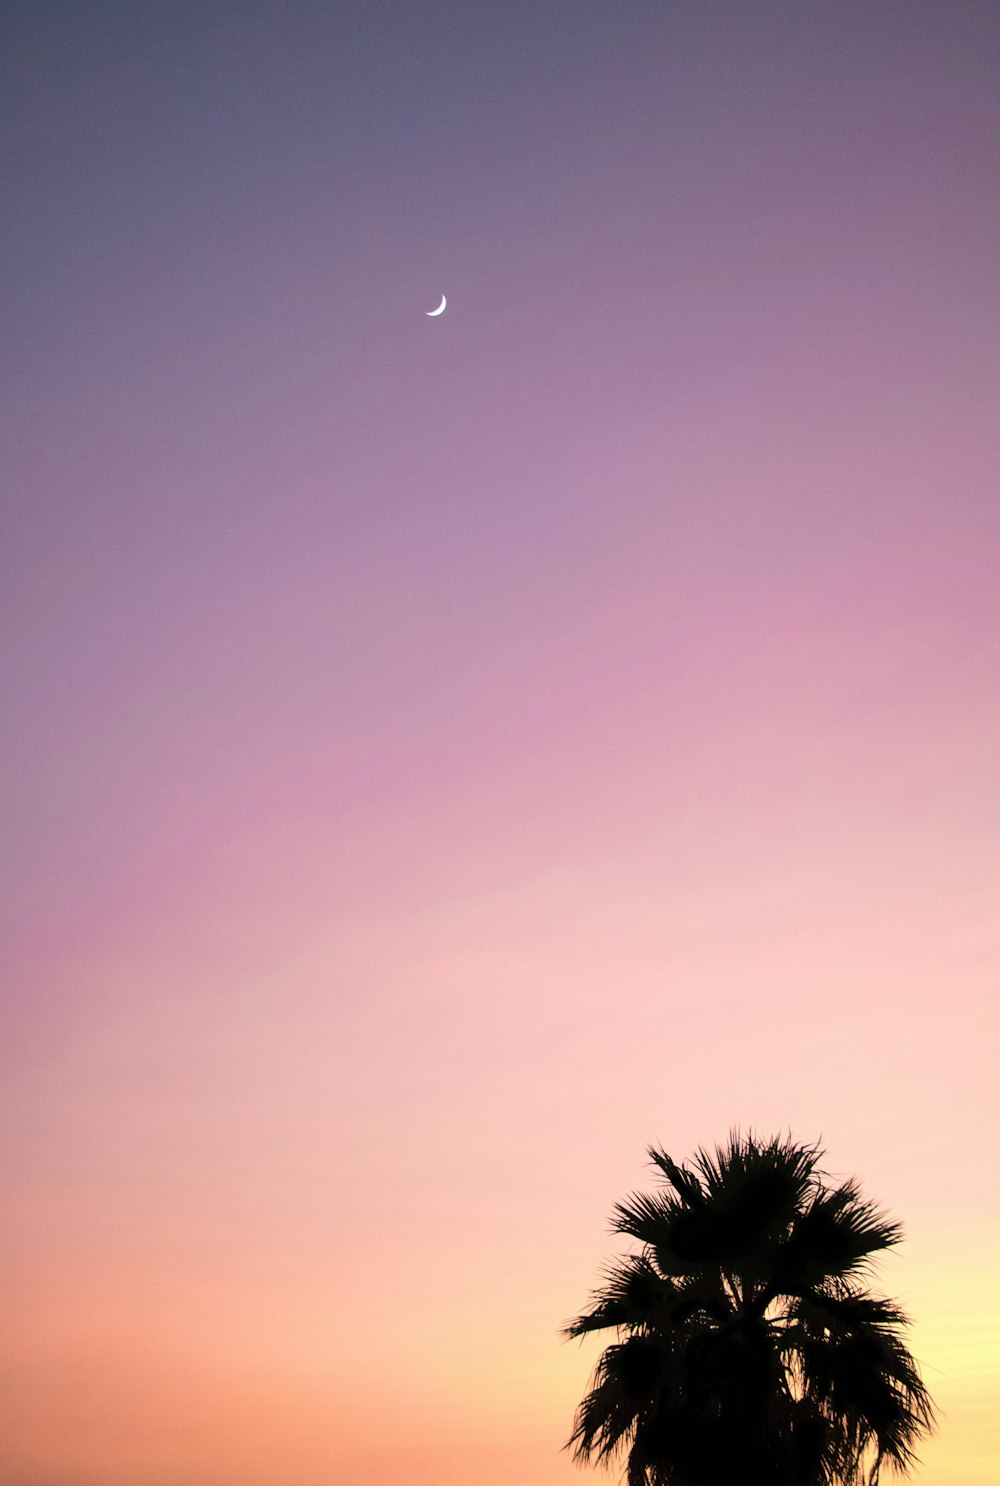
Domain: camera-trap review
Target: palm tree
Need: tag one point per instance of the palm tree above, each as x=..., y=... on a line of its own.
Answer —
x=750, y=1351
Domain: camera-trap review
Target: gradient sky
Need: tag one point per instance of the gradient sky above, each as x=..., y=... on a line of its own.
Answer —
x=444, y=756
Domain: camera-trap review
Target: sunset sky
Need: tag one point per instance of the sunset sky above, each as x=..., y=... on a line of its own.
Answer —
x=445, y=755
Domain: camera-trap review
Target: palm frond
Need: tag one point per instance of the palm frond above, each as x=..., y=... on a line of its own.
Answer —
x=645, y=1217
x=634, y=1294
x=836, y=1236
x=628, y=1380
x=853, y=1359
x=789, y=1165
x=684, y=1182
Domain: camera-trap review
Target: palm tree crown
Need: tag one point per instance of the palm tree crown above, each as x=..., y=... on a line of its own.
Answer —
x=750, y=1351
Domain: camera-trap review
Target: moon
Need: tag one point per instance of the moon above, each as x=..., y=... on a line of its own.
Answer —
x=439, y=310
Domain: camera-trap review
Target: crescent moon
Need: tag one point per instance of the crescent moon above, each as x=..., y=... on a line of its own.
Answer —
x=439, y=310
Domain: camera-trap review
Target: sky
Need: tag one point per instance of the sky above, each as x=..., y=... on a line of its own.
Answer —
x=444, y=756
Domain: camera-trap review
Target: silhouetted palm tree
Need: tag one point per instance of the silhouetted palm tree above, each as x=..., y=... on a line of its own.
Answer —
x=750, y=1351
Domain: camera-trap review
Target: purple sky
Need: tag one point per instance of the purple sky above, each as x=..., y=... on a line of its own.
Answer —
x=479, y=746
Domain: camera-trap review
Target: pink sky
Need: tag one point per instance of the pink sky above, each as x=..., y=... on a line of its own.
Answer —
x=446, y=756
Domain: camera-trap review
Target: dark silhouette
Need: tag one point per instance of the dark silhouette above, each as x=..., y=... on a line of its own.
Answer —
x=750, y=1351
